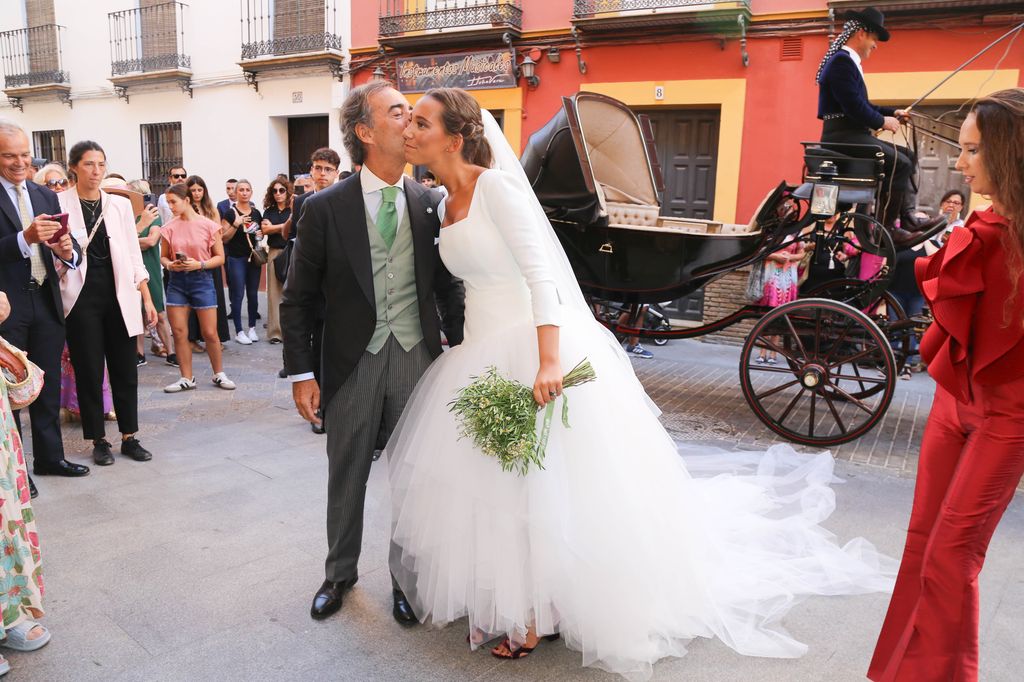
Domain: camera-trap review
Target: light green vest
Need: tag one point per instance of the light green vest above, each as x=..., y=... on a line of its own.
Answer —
x=394, y=287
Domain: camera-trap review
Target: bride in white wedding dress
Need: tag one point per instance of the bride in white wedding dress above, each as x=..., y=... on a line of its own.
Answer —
x=614, y=546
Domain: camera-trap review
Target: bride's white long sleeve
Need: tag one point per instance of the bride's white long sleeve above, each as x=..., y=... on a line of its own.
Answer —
x=510, y=212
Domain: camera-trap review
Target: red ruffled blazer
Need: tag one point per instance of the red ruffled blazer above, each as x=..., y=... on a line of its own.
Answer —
x=967, y=285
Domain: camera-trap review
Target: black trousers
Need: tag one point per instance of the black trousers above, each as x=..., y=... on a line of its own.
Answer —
x=899, y=167
x=40, y=333
x=97, y=335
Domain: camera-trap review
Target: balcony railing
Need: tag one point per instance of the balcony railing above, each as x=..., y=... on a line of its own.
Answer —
x=398, y=17
x=148, y=39
x=31, y=57
x=286, y=27
x=588, y=8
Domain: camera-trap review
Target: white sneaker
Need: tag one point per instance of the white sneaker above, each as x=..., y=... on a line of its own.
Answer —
x=220, y=380
x=243, y=339
x=252, y=335
x=180, y=385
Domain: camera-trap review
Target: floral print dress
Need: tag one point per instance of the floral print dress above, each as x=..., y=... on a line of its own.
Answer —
x=21, y=576
x=782, y=280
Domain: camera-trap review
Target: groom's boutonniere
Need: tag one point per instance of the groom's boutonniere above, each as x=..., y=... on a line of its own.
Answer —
x=429, y=210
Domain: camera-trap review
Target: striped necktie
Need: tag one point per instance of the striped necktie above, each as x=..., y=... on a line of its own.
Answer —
x=38, y=266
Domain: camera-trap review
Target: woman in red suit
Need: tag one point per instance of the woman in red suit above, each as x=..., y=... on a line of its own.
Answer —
x=972, y=455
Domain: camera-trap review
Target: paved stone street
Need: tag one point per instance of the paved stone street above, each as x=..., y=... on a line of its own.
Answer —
x=201, y=564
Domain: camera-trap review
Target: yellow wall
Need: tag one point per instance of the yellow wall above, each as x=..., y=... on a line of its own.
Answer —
x=893, y=89
x=729, y=94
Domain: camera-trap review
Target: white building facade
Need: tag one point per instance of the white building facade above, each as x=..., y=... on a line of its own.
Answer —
x=227, y=88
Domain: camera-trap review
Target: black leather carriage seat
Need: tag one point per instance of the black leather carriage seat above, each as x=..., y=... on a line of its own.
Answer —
x=861, y=170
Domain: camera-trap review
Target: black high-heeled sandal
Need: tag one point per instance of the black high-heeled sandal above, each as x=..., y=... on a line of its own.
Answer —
x=523, y=651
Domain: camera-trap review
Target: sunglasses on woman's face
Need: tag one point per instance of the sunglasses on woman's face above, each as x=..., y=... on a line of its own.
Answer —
x=280, y=190
x=61, y=182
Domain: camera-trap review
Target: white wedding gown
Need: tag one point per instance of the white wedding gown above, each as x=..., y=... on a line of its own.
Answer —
x=614, y=544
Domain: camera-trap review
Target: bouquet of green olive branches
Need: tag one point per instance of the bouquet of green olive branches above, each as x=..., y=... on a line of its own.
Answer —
x=500, y=416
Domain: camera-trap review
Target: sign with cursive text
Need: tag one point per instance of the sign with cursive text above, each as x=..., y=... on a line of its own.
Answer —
x=470, y=71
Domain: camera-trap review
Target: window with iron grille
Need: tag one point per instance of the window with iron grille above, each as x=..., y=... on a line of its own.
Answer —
x=49, y=145
x=161, y=151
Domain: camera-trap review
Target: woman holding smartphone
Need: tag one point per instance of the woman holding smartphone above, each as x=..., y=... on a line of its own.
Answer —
x=190, y=247
x=241, y=223
x=104, y=300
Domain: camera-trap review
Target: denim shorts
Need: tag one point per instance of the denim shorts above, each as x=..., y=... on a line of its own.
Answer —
x=193, y=289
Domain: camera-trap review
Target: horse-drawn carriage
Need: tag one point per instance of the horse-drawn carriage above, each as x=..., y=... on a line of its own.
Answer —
x=842, y=344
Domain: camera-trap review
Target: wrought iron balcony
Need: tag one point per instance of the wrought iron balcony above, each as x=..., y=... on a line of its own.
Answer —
x=412, y=21
x=147, y=40
x=282, y=28
x=714, y=15
x=32, y=59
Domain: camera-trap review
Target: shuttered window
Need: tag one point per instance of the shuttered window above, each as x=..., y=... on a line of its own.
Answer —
x=161, y=151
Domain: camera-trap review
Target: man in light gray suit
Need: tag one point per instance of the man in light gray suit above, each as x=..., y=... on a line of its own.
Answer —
x=368, y=246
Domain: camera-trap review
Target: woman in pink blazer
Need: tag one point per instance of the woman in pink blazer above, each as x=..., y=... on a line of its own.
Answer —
x=102, y=303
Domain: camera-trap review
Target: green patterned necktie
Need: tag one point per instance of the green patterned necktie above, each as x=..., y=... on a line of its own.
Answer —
x=387, y=218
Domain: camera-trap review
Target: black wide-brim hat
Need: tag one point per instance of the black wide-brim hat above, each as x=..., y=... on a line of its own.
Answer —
x=873, y=19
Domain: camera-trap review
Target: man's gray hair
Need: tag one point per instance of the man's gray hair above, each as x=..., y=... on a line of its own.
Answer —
x=8, y=127
x=354, y=111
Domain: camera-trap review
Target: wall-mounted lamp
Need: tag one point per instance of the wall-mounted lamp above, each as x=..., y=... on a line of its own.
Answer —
x=528, y=70
x=378, y=75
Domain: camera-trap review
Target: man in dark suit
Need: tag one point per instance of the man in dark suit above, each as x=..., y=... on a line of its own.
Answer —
x=849, y=117
x=366, y=248
x=29, y=277
x=323, y=172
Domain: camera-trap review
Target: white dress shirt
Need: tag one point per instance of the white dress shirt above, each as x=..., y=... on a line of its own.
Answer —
x=373, y=196
x=856, y=58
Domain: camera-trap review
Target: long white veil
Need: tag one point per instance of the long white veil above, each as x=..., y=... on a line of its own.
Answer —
x=569, y=292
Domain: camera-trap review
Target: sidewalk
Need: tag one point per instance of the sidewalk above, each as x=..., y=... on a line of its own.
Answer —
x=201, y=564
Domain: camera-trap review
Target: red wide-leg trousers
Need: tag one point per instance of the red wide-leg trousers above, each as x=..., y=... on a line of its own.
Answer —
x=972, y=458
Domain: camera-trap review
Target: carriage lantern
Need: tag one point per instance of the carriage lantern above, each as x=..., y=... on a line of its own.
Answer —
x=825, y=196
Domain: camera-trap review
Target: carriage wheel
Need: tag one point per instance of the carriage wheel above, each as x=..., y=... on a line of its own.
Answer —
x=885, y=312
x=829, y=353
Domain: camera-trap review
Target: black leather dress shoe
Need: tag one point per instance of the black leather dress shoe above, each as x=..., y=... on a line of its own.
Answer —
x=33, y=491
x=327, y=599
x=402, y=611
x=130, y=447
x=61, y=468
x=101, y=453
x=912, y=223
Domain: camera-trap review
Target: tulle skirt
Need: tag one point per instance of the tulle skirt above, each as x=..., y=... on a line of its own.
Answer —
x=614, y=544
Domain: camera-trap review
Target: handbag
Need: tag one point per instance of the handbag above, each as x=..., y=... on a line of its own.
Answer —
x=260, y=254
x=23, y=377
x=755, y=283
x=282, y=261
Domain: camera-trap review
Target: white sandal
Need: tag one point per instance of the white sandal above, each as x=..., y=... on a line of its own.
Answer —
x=18, y=640
x=5, y=667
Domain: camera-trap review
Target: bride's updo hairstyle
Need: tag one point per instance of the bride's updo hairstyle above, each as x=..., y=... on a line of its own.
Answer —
x=460, y=114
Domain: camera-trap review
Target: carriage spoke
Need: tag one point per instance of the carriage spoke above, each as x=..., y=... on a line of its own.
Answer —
x=850, y=398
x=835, y=413
x=838, y=343
x=860, y=379
x=810, y=422
x=765, y=344
x=852, y=359
x=777, y=389
x=791, y=405
x=792, y=329
x=817, y=332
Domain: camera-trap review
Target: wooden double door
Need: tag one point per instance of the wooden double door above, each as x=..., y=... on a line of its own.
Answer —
x=686, y=141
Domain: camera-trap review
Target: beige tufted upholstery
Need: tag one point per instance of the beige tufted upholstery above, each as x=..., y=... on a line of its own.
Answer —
x=632, y=214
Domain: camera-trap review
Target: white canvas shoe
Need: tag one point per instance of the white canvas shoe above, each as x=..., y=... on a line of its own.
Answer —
x=180, y=385
x=252, y=335
x=220, y=380
x=243, y=338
